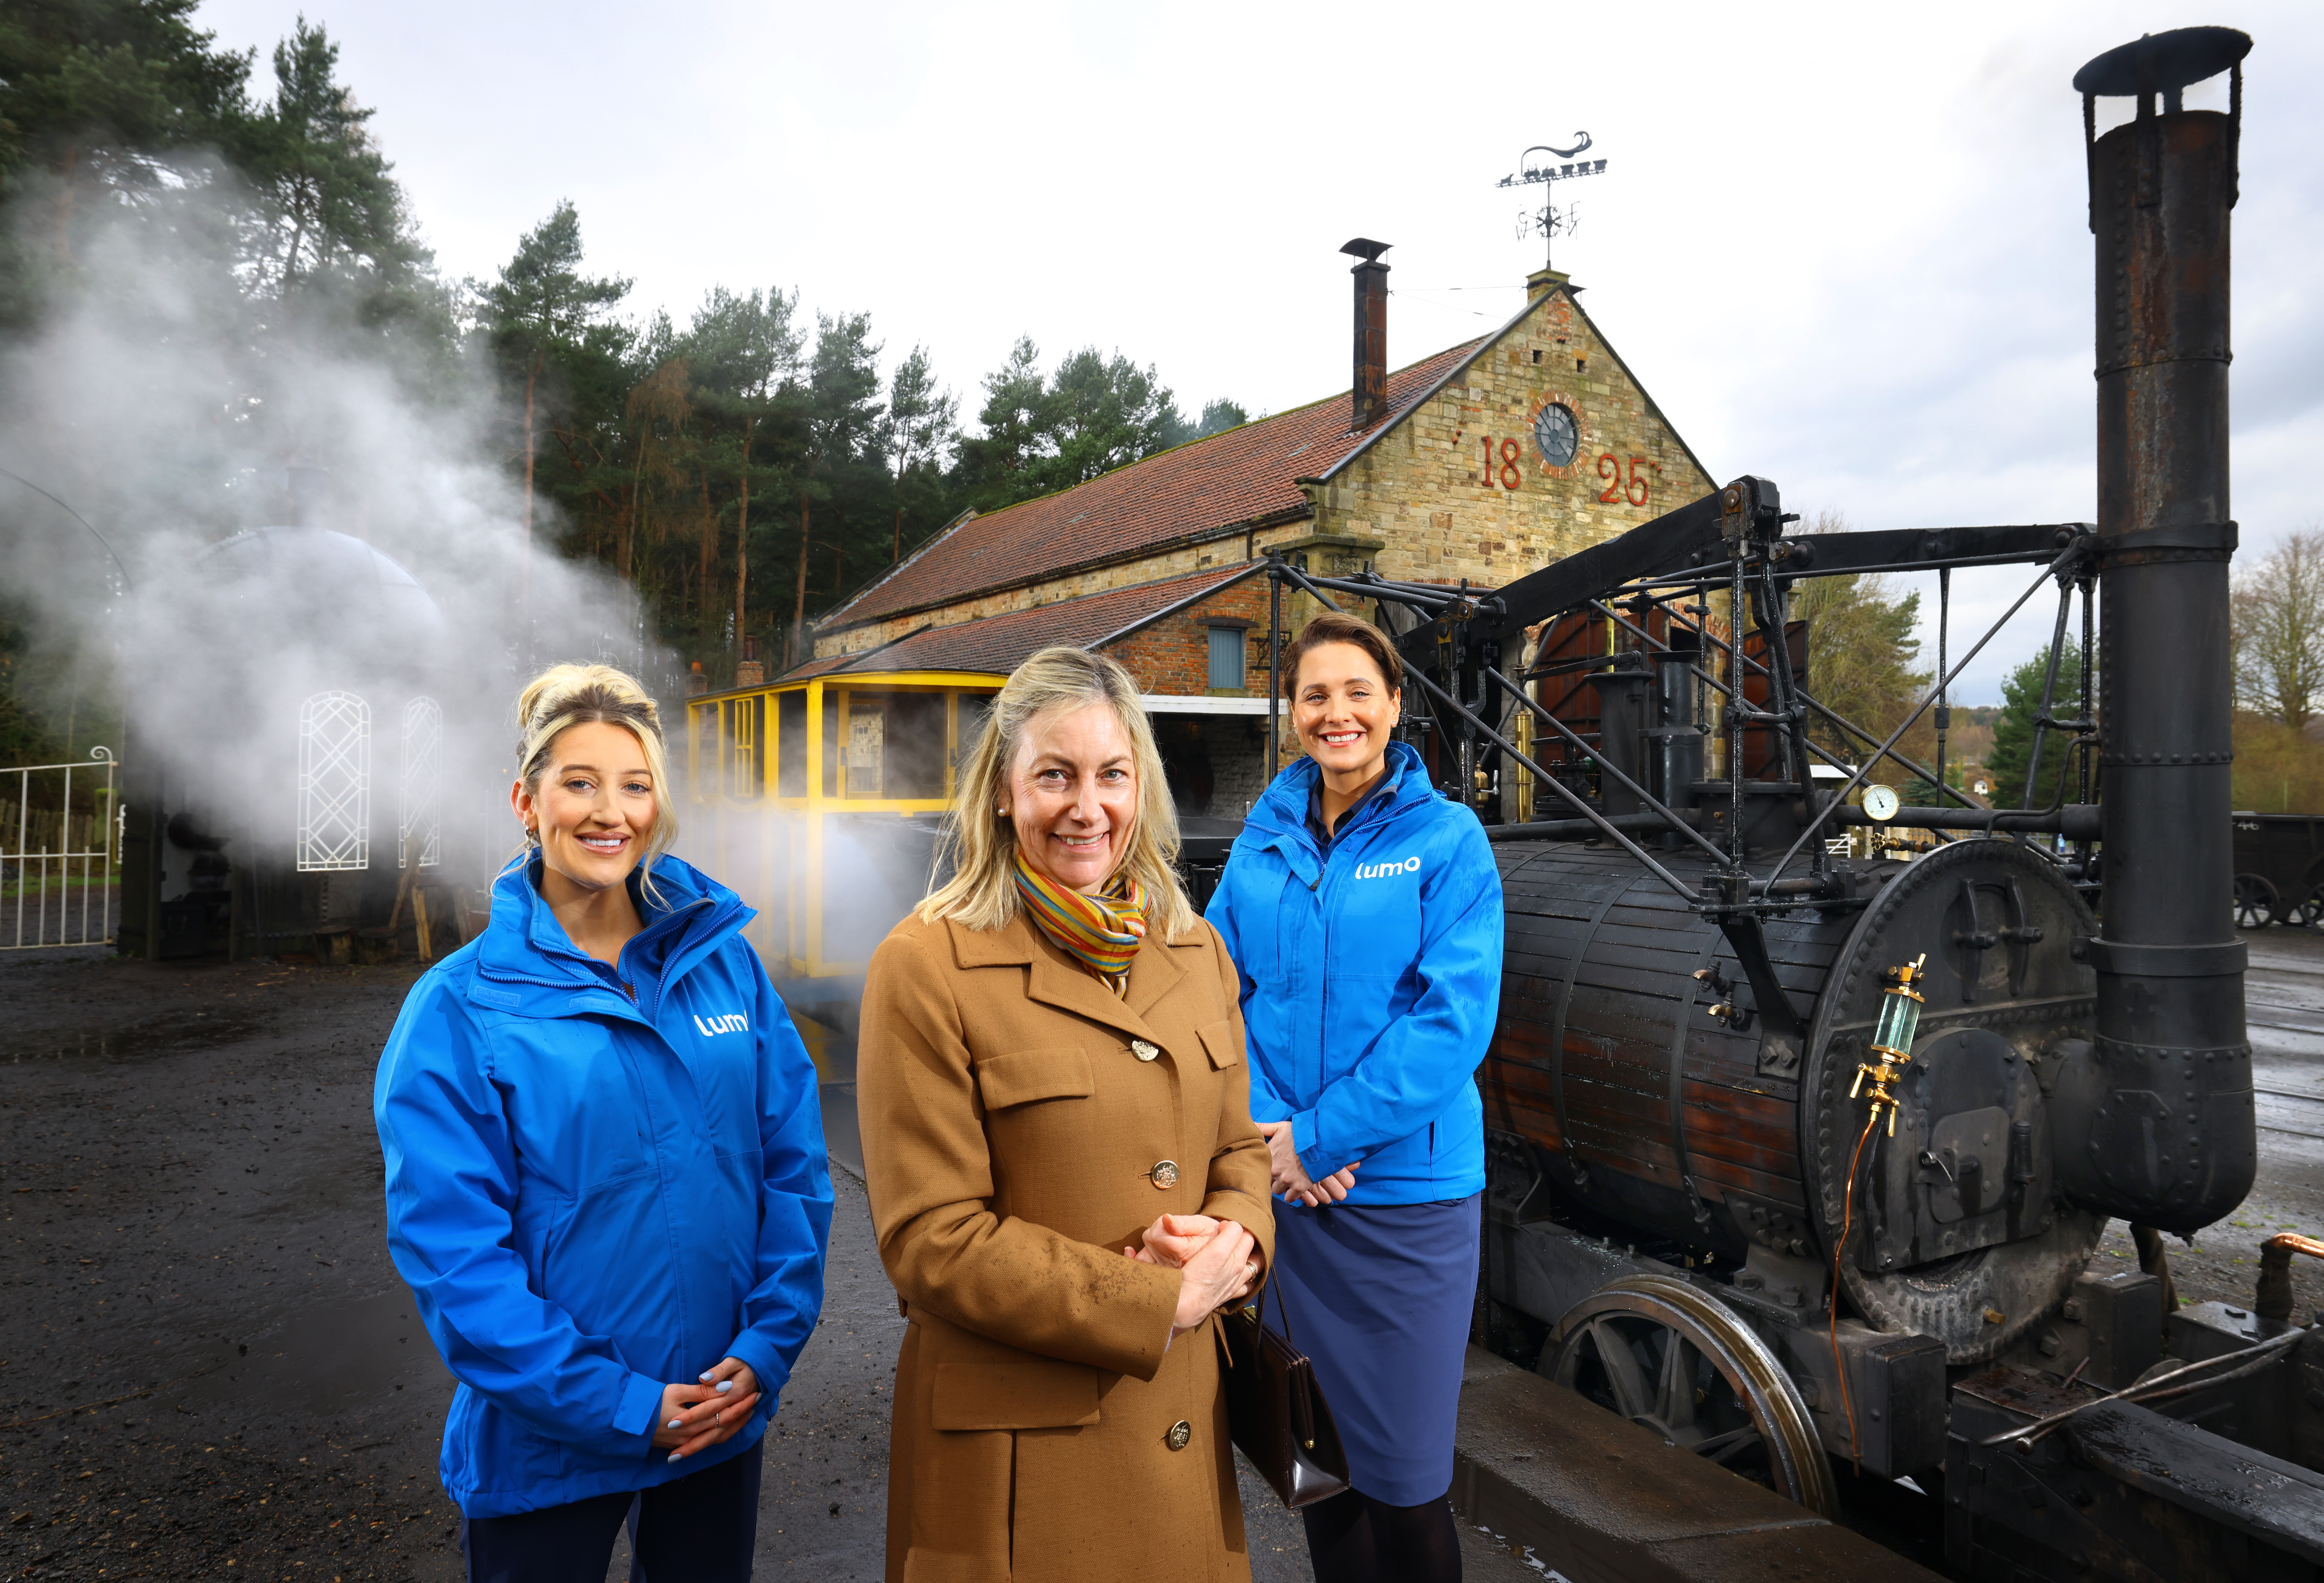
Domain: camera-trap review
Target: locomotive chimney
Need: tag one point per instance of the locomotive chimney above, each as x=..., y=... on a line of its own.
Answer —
x=2169, y=1138
x=1371, y=331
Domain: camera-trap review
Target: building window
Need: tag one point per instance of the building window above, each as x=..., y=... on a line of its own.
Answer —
x=1226, y=659
x=334, y=782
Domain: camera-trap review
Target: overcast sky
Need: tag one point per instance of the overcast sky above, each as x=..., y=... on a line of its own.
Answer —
x=1843, y=246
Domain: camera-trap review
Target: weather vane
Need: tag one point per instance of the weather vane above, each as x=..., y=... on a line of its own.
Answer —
x=1549, y=220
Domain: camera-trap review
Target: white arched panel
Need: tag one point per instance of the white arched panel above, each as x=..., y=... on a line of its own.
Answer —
x=418, y=826
x=334, y=782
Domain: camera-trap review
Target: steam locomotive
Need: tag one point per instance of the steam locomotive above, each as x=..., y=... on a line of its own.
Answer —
x=1798, y=1155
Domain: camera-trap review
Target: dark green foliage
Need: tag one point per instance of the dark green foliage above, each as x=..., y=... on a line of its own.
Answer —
x=542, y=306
x=1095, y=413
x=95, y=94
x=331, y=204
x=53, y=706
x=2013, y=729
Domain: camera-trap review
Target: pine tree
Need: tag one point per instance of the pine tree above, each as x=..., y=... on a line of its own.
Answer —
x=543, y=308
x=746, y=354
x=2013, y=729
x=922, y=425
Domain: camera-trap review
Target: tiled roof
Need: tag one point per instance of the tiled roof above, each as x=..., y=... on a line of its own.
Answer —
x=1209, y=484
x=1000, y=643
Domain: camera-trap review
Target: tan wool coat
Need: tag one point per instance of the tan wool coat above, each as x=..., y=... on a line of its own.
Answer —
x=1015, y=1112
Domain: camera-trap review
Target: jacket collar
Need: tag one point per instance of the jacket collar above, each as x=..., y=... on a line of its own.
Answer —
x=1057, y=979
x=1280, y=818
x=525, y=946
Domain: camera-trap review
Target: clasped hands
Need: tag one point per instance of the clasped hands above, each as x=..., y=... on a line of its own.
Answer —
x=714, y=1409
x=1215, y=1256
x=1288, y=1178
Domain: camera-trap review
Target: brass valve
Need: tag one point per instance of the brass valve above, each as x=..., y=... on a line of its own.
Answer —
x=1892, y=1040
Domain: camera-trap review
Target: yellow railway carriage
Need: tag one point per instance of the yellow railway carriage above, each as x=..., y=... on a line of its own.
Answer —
x=819, y=798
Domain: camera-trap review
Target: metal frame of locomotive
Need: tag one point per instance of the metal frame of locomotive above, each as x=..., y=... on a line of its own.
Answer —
x=1697, y=1212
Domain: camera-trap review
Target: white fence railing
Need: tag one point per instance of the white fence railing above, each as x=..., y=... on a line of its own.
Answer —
x=60, y=852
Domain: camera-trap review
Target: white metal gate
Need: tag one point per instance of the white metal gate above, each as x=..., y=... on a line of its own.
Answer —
x=59, y=854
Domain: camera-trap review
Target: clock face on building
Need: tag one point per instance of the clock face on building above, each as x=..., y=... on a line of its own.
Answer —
x=1555, y=433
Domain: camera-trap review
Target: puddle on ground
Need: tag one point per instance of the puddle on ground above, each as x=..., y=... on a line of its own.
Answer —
x=330, y=1358
x=171, y=1035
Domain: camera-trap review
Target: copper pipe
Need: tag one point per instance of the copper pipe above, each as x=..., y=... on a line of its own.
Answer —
x=2273, y=1301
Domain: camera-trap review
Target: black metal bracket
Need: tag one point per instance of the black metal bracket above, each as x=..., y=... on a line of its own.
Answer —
x=2208, y=541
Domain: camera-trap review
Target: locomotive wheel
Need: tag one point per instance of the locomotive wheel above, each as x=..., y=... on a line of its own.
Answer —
x=2255, y=902
x=2308, y=912
x=1669, y=1355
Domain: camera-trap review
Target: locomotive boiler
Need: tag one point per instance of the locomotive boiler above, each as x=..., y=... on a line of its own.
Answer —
x=1798, y=1153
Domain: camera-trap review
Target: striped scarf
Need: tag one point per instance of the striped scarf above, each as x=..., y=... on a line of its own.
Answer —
x=1100, y=931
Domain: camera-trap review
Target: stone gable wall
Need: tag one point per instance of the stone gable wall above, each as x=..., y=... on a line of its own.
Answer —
x=1427, y=490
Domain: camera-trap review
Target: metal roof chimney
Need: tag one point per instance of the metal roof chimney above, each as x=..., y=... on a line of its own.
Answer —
x=1371, y=331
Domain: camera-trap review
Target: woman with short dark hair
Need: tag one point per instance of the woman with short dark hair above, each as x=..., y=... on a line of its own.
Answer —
x=1363, y=910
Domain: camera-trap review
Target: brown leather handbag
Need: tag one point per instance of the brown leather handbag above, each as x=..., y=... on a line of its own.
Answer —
x=1276, y=1411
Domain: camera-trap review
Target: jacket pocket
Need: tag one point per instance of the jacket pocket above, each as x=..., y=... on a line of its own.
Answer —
x=1220, y=1038
x=1036, y=1393
x=1024, y=1076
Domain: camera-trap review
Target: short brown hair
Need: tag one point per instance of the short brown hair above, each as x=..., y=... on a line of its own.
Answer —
x=1336, y=626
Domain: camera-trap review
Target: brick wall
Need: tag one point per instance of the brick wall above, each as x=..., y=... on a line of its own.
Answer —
x=1174, y=655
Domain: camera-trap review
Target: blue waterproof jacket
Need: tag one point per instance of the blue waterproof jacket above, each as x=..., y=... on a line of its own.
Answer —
x=1370, y=980
x=599, y=1181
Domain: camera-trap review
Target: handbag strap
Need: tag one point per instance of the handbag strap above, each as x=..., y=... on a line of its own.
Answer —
x=1281, y=1307
x=1303, y=1408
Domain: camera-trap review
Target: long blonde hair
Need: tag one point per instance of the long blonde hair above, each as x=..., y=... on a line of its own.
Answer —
x=566, y=695
x=982, y=845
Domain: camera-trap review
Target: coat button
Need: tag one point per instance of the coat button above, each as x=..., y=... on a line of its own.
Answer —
x=1142, y=1050
x=1180, y=1433
x=1164, y=1174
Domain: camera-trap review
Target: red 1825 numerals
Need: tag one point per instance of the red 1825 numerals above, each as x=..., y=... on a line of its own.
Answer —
x=1633, y=488
x=1623, y=485
x=1511, y=475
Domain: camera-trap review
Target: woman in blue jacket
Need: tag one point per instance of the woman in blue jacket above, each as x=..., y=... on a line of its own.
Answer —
x=1364, y=912
x=605, y=1174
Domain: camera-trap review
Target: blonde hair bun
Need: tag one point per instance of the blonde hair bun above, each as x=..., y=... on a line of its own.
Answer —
x=566, y=695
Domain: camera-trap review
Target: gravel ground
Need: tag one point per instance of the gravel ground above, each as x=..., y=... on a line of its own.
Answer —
x=207, y=1366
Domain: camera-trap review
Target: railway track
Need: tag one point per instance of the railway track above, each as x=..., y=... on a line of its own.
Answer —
x=2283, y=1001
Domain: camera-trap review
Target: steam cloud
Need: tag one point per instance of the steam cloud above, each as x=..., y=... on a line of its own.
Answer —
x=166, y=403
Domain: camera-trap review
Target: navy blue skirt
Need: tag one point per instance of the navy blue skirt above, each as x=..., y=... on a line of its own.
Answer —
x=1379, y=1298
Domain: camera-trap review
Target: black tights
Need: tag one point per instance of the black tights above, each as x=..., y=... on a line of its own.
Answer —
x=1354, y=1538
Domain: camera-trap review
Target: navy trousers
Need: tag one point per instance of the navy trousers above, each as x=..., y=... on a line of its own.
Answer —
x=699, y=1528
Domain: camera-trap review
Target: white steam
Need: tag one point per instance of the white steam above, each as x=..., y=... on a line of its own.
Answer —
x=168, y=407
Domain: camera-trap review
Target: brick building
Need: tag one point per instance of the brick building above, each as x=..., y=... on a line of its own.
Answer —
x=1484, y=462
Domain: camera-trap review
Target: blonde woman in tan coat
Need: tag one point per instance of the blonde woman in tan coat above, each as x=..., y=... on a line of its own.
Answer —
x=1064, y=1177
